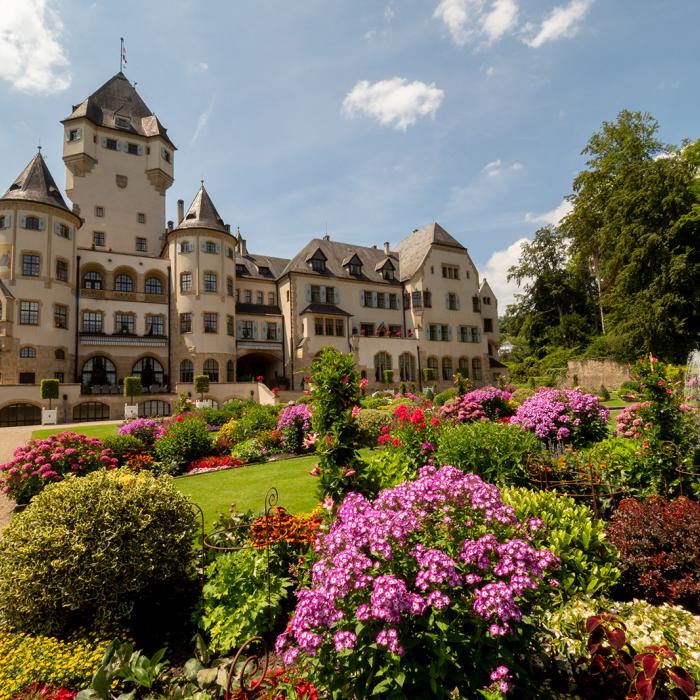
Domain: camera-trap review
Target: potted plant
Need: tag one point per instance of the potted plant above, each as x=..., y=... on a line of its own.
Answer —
x=201, y=386
x=49, y=390
x=132, y=387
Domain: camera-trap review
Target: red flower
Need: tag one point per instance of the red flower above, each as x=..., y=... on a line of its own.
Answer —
x=661, y=382
x=179, y=419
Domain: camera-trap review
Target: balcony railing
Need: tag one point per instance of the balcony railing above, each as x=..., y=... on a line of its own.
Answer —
x=112, y=294
x=131, y=339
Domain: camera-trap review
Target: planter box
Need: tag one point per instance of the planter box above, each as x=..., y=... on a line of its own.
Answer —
x=131, y=411
x=207, y=403
x=49, y=416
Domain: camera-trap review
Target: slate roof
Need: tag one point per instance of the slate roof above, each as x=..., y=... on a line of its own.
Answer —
x=253, y=263
x=327, y=309
x=258, y=309
x=118, y=98
x=339, y=254
x=202, y=213
x=35, y=184
x=415, y=247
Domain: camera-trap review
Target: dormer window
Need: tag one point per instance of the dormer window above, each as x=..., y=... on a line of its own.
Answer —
x=122, y=123
x=265, y=271
x=355, y=268
x=388, y=273
x=317, y=261
x=241, y=269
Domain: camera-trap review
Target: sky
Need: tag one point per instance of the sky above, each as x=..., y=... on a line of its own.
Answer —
x=364, y=119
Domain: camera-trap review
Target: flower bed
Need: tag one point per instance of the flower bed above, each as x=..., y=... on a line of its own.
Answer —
x=212, y=464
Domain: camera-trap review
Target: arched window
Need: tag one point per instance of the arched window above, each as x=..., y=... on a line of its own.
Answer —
x=20, y=414
x=407, y=367
x=464, y=366
x=433, y=368
x=229, y=371
x=186, y=372
x=150, y=371
x=123, y=283
x=153, y=285
x=98, y=372
x=154, y=407
x=476, y=368
x=91, y=410
x=446, y=368
x=211, y=369
x=92, y=280
x=382, y=361
x=27, y=352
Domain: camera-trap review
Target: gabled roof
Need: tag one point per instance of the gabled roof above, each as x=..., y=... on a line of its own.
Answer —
x=35, y=184
x=118, y=98
x=415, y=247
x=337, y=257
x=485, y=288
x=202, y=213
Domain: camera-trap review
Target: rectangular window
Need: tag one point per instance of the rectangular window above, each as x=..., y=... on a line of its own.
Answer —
x=61, y=270
x=330, y=326
x=367, y=298
x=186, y=247
x=319, y=326
x=427, y=299
x=141, y=217
x=30, y=265
x=464, y=334
x=98, y=238
x=315, y=294
x=210, y=282
x=381, y=301
x=229, y=286
x=27, y=378
x=271, y=300
x=271, y=332
x=211, y=322
x=29, y=313
x=92, y=322
x=166, y=155
x=259, y=298
x=339, y=327
x=366, y=329
x=60, y=316
x=122, y=123
x=452, y=301
x=330, y=295
x=124, y=323
x=74, y=135
x=155, y=324
x=132, y=148
x=59, y=376
x=393, y=301
x=111, y=144
x=487, y=301
x=210, y=247
x=185, y=281
x=4, y=221
x=433, y=332
x=32, y=223
x=476, y=304
x=417, y=300
x=141, y=245
x=488, y=325
x=229, y=325
x=246, y=330
x=186, y=323
x=444, y=333
x=395, y=331
x=229, y=252
x=450, y=272
x=318, y=265
x=63, y=231
x=247, y=296
x=99, y=212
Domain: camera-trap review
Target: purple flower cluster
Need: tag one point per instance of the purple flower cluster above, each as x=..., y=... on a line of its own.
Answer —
x=388, y=561
x=493, y=401
x=295, y=415
x=42, y=461
x=147, y=430
x=462, y=411
x=563, y=415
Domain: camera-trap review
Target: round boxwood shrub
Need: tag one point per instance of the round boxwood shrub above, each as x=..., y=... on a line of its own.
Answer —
x=370, y=421
x=444, y=396
x=107, y=548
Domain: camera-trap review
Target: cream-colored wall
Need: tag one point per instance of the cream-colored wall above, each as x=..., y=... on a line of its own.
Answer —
x=98, y=187
x=244, y=283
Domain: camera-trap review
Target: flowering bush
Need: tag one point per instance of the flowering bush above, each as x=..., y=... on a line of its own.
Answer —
x=294, y=423
x=633, y=421
x=139, y=462
x=28, y=660
x=41, y=462
x=185, y=438
x=563, y=415
x=210, y=464
x=413, y=432
x=147, y=430
x=250, y=450
x=280, y=526
x=370, y=421
x=437, y=571
x=659, y=545
x=494, y=402
x=462, y=410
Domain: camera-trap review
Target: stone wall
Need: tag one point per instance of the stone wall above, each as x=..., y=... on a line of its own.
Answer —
x=592, y=373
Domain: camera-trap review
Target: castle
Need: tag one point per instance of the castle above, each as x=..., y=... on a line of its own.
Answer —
x=106, y=288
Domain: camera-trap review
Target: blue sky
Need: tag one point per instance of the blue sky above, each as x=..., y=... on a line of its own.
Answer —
x=365, y=118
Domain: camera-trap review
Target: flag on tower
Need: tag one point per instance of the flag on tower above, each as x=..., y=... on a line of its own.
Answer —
x=122, y=55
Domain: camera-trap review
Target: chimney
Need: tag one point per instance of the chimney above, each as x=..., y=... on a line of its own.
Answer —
x=244, y=248
x=170, y=225
x=326, y=238
x=180, y=211
x=386, y=247
x=228, y=228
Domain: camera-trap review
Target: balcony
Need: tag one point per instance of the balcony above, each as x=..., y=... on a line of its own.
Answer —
x=245, y=341
x=118, y=389
x=122, y=339
x=113, y=295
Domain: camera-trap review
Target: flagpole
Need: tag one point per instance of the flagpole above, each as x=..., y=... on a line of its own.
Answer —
x=121, y=54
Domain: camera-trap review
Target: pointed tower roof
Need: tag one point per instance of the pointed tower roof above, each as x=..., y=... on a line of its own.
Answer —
x=415, y=247
x=35, y=184
x=117, y=105
x=202, y=213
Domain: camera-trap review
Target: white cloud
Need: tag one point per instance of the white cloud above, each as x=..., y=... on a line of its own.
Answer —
x=393, y=101
x=483, y=21
x=488, y=71
x=203, y=66
x=32, y=58
x=497, y=167
x=203, y=120
x=562, y=21
x=389, y=12
x=496, y=272
x=552, y=217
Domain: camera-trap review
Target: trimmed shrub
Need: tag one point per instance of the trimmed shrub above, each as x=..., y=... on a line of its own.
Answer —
x=49, y=389
x=109, y=547
x=497, y=452
x=659, y=545
x=444, y=396
x=185, y=438
x=588, y=559
x=132, y=387
x=123, y=447
x=201, y=384
x=370, y=421
x=41, y=462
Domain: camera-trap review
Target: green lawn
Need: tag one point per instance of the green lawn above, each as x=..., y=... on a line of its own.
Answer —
x=247, y=486
x=98, y=431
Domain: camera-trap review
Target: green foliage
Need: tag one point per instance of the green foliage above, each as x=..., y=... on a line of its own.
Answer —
x=123, y=446
x=231, y=409
x=49, y=389
x=498, y=452
x=253, y=419
x=106, y=547
x=186, y=438
x=603, y=393
x=201, y=384
x=444, y=396
x=388, y=376
x=588, y=560
x=428, y=374
x=383, y=470
x=625, y=463
x=370, y=421
x=335, y=393
x=235, y=598
x=250, y=450
x=132, y=387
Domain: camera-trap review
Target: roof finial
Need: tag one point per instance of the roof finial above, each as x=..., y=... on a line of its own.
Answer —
x=201, y=182
x=38, y=148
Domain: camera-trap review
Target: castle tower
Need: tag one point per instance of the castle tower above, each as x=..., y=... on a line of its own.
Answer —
x=201, y=251
x=119, y=162
x=37, y=279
